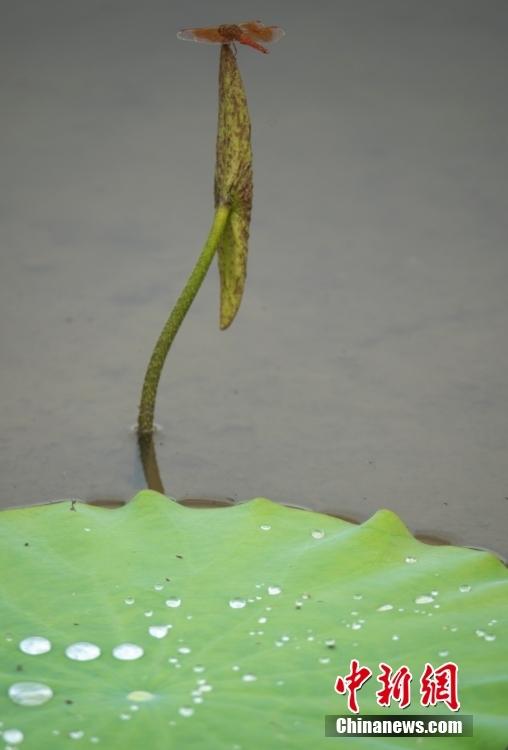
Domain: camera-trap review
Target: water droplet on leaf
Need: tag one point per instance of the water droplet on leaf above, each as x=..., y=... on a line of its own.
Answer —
x=237, y=603
x=35, y=645
x=82, y=651
x=30, y=693
x=127, y=652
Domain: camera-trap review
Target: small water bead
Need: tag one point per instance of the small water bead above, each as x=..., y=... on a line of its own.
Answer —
x=480, y=633
x=173, y=660
x=148, y=613
x=443, y=653
x=35, y=645
x=184, y=650
x=13, y=736
x=249, y=678
x=324, y=659
x=265, y=527
x=78, y=734
x=235, y=668
x=159, y=586
x=95, y=740
x=129, y=600
x=128, y=652
x=298, y=604
x=198, y=668
x=125, y=717
x=492, y=622
x=140, y=696
x=330, y=643
x=395, y=637
x=410, y=560
x=173, y=601
x=82, y=651
x=434, y=593
x=237, y=603
x=30, y=693
x=318, y=534
x=262, y=620
x=274, y=590
x=159, y=631
x=186, y=711
x=356, y=625
x=357, y=597
x=489, y=637
x=424, y=599
x=465, y=588
x=385, y=607
x=285, y=638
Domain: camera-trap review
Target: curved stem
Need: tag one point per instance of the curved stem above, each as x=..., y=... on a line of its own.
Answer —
x=159, y=354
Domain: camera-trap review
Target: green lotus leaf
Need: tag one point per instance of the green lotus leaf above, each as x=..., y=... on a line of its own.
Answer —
x=241, y=619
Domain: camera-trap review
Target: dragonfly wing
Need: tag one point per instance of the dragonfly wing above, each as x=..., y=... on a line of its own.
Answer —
x=208, y=35
x=258, y=31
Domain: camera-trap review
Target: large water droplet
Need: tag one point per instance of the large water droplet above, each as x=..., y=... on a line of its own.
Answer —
x=140, y=696
x=424, y=599
x=237, y=603
x=385, y=608
x=173, y=601
x=186, y=711
x=13, y=736
x=127, y=652
x=30, y=693
x=159, y=631
x=82, y=651
x=274, y=590
x=249, y=678
x=318, y=534
x=35, y=645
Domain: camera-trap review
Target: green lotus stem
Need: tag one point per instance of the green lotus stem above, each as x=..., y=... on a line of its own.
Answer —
x=160, y=352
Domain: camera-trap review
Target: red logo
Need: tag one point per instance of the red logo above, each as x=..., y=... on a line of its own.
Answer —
x=437, y=685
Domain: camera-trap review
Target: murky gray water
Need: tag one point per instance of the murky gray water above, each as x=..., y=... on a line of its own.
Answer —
x=368, y=365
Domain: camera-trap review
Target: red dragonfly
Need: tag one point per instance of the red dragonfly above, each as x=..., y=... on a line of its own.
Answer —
x=250, y=33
